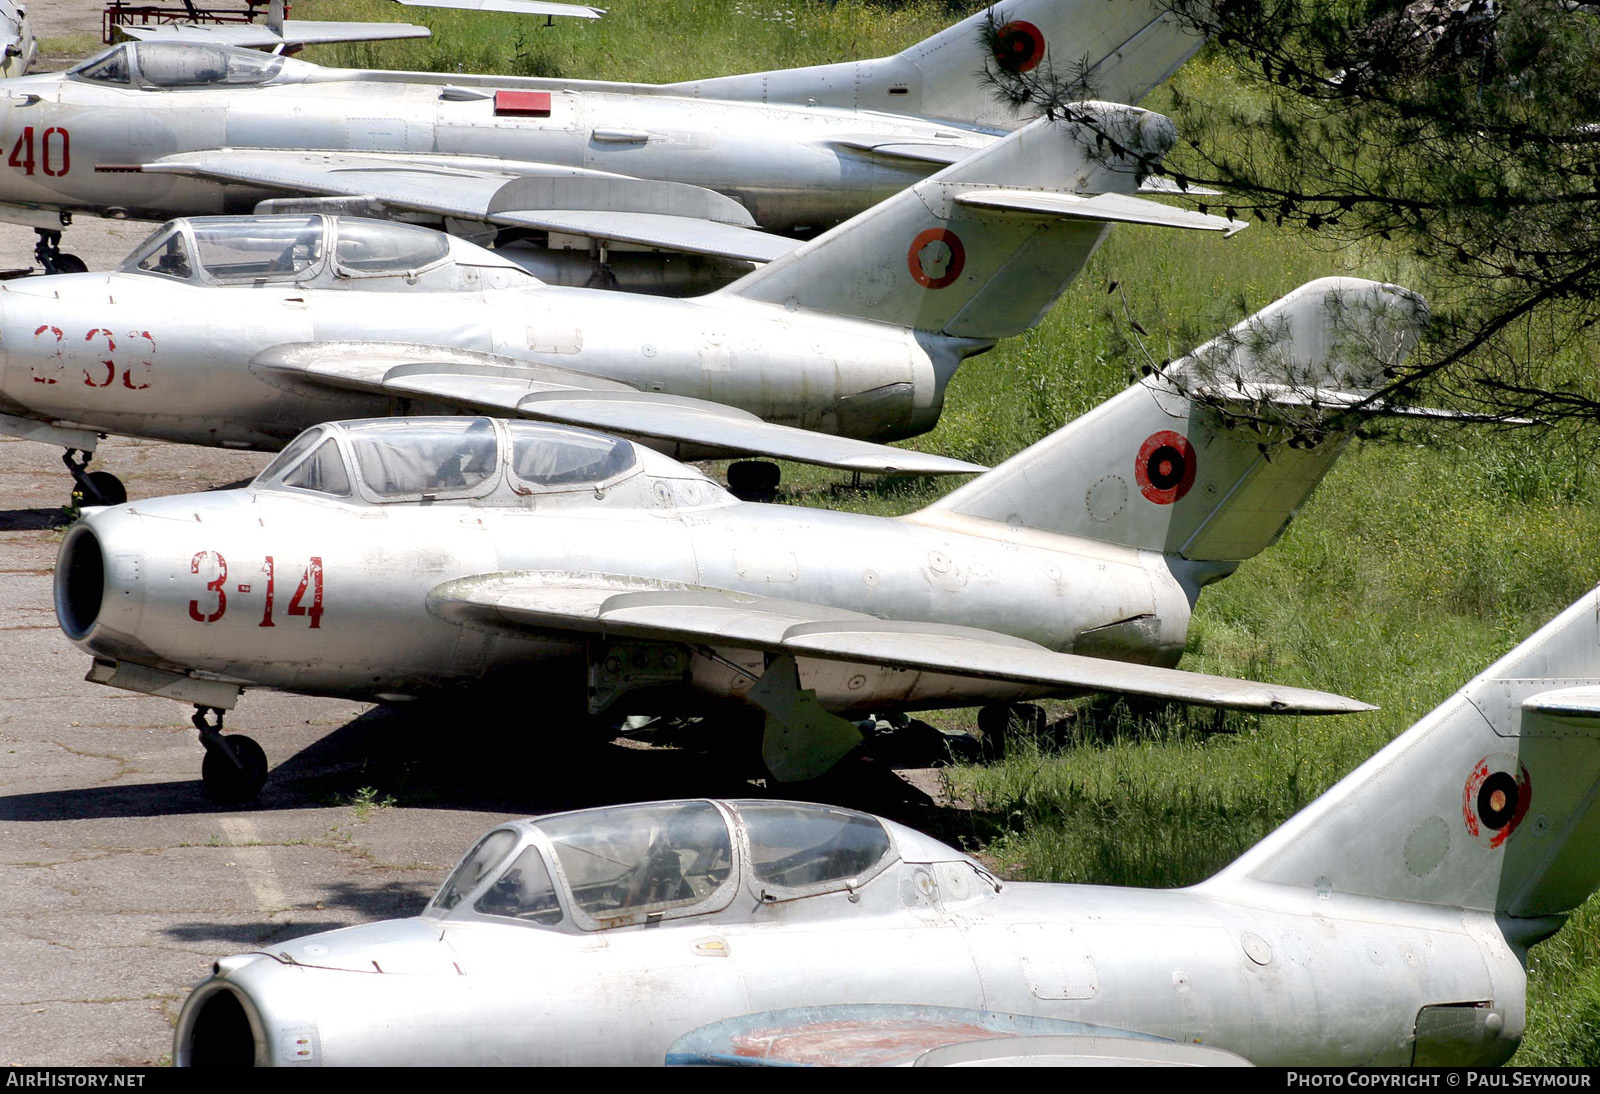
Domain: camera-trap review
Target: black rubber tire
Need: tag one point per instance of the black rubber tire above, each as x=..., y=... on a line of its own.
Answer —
x=753, y=480
x=230, y=785
x=66, y=264
x=112, y=492
x=994, y=722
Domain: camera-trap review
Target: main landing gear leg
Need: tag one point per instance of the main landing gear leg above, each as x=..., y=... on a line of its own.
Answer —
x=94, y=487
x=235, y=767
x=51, y=259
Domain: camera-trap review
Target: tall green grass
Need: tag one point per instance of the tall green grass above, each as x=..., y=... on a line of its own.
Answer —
x=1424, y=555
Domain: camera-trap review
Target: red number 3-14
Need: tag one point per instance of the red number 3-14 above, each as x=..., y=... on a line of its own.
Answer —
x=306, y=601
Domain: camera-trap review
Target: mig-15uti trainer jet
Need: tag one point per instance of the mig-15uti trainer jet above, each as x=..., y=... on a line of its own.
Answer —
x=401, y=558
x=1388, y=923
x=158, y=129
x=245, y=331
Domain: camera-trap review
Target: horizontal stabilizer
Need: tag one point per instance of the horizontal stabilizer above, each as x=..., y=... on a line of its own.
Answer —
x=498, y=385
x=296, y=32
x=1246, y=394
x=545, y=8
x=1580, y=706
x=1107, y=208
x=1160, y=184
x=518, y=601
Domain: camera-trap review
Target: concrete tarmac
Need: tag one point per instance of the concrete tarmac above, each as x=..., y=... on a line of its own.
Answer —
x=120, y=883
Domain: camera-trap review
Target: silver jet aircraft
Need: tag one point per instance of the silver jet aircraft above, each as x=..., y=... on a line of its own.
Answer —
x=159, y=129
x=18, y=45
x=399, y=558
x=1388, y=923
x=244, y=331
x=280, y=34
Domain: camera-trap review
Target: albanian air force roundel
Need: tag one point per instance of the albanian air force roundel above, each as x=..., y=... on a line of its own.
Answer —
x=1496, y=798
x=1018, y=46
x=936, y=258
x=1165, y=467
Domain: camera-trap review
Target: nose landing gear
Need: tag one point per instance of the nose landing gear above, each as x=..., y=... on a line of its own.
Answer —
x=94, y=487
x=235, y=767
x=48, y=252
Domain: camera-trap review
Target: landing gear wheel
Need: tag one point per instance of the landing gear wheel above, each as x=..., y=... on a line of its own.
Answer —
x=66, y=264
x=235, y=779
x=108, y=489
x=753, y=480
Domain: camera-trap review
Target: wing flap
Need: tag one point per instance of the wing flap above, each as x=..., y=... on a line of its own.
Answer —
x=1110, y=208
x=698, y=615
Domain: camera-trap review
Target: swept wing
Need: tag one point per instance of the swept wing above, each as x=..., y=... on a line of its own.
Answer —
x=517, y=602
x=671, y=215
x=499, y=385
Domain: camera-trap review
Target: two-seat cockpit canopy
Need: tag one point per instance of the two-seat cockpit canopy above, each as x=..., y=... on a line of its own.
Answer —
x=481, y=461
x=170, y=66
x=629, y=864
x=319, y=251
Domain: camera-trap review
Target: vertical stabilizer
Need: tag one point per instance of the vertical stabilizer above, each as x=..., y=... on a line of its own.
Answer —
x=1157, y=467
x=1488, y=803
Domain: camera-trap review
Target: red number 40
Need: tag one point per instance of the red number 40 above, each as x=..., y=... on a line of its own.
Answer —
x=54, y=153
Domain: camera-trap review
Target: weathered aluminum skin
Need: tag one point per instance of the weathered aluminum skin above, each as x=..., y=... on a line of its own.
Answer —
x=148, y=356
x=17, y=40
x=664, y=525
x=847, y=335
x=1386, y=924
x=1096, y=541
x=787, y=146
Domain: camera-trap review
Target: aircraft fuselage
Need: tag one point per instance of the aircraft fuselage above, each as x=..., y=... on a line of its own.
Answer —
x=151, y=357
x=224, y=584
x=76, y=145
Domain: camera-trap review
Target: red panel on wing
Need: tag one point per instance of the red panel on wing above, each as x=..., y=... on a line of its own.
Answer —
x=522, y=104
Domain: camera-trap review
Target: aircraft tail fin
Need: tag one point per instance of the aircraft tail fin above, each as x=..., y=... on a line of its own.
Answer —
x=1158, y=467
x=983, y=248
x=1491, y=802
x=1117, y=49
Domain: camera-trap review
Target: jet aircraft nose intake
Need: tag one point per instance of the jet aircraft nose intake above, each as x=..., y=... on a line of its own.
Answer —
x=219, y=1031
x=80, y=582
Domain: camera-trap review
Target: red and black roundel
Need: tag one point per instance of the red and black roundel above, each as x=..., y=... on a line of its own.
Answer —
x=936, y=258
x=1165, y=467
x=1495, y=798
x=1018, y=46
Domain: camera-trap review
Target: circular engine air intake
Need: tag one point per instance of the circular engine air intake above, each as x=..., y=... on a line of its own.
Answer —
x=221, y=1034
x=80, y=582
